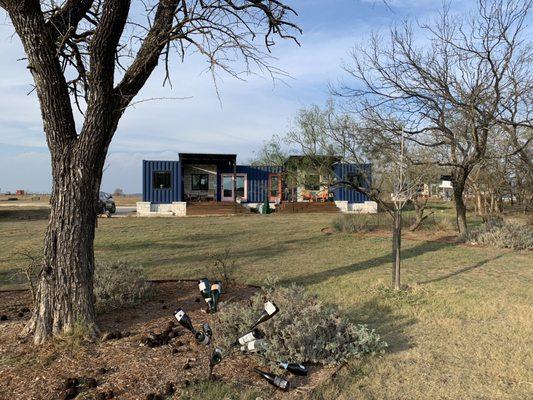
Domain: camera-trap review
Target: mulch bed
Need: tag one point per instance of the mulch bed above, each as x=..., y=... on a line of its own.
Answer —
x=123, y=366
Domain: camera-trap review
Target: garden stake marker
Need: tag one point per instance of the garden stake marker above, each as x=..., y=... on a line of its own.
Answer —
x=270, y=309
x=274, y=379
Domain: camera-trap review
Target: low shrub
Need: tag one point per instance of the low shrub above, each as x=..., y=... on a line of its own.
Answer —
x=119, y=284
x=497, y=233
x=353, y=223
x=304, y=330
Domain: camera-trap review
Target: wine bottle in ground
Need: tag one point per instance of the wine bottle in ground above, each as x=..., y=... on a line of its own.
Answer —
x=205, y=290
x=270, y=309
x=293, y=368
x=248, y=337
x=207, y=329
x=184, y=320
x=275, y=380
x=202, y=338
x=216, y=290
x=255, y=346
x=216, y=357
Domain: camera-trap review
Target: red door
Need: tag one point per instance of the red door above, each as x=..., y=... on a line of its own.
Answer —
x=274, y=188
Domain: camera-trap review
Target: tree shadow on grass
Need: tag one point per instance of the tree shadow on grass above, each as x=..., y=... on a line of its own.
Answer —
x=390, y=325
x=318, y=277
x=248, y=255
x=461, y=270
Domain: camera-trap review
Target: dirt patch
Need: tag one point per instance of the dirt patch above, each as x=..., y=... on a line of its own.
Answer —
x=124, y=366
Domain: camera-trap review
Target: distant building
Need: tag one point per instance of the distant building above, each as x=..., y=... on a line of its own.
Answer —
x=20, y=192
x=173, y=187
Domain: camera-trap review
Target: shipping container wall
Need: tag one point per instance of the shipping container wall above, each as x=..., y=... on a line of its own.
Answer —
x=257, y=180
x=342, y=173
x=162, y=195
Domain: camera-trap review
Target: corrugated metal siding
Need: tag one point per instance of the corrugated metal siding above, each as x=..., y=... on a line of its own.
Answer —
x=257, y=181
x=162, y=196
x=346, y=193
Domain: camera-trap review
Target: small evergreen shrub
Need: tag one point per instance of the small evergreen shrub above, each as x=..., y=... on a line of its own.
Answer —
x=119, y=284
x=304, y=330
x=497, y=233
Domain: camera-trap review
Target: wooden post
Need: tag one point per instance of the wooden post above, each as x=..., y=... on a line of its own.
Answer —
x=234, y=183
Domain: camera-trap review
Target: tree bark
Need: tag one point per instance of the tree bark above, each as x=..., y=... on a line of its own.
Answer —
x=460, y=206
x=396, y=249
x=64, y=297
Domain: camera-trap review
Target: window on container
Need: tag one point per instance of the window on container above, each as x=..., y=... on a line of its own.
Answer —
x=200, y=181
x=162, y=180
x=274, y=185
x=356, y=178
x=312, y=182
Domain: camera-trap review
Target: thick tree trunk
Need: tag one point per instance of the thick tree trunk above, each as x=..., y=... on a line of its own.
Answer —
x=459, y=178
x=64, y=297
x=396, y=249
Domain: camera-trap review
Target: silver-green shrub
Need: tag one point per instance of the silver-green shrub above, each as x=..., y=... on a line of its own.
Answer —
x=497, y=233
x=304, y=330
x=119, y=284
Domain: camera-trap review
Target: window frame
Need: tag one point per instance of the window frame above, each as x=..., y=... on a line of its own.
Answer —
x=200, y=188
x=154, y=179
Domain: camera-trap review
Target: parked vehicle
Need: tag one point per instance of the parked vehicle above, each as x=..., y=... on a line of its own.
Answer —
x=107, y=203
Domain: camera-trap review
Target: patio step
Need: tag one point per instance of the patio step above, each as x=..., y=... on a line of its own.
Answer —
x=307, y=207
x=215, y=208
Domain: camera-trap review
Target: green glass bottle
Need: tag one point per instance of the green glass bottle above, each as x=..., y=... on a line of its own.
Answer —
x=216, y=357
x=184, y=320
x=216, y=290
x=207, y=329
x=205, y=290
x=293, y=368
x=274, y=380
x=270, y=309
x=248, y=337
x=202, y=338
x=255, y=346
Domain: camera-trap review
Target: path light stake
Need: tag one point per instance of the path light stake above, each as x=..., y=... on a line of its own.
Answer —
x=293, y=368
x=184, y=320
x=205, y=290
x=273, y=379
x=216, y=290
x=255, y=346
x=270, y=309
x=248, y=337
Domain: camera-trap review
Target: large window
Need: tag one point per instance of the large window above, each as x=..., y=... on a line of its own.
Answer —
x=161, y=180
x=312, y=182
x=200, y=182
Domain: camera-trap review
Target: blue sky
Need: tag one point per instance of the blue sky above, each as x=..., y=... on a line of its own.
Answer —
x=250, y=113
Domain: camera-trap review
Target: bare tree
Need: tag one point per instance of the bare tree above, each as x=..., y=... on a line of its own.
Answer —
x=324, y=136
x=98, y=54
x=468, y=85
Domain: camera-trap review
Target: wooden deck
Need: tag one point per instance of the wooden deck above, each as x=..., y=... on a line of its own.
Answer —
x=215, y=208
x=307, y=207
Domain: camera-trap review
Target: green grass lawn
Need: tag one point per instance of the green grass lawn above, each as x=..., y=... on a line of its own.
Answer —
x=463, y=330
